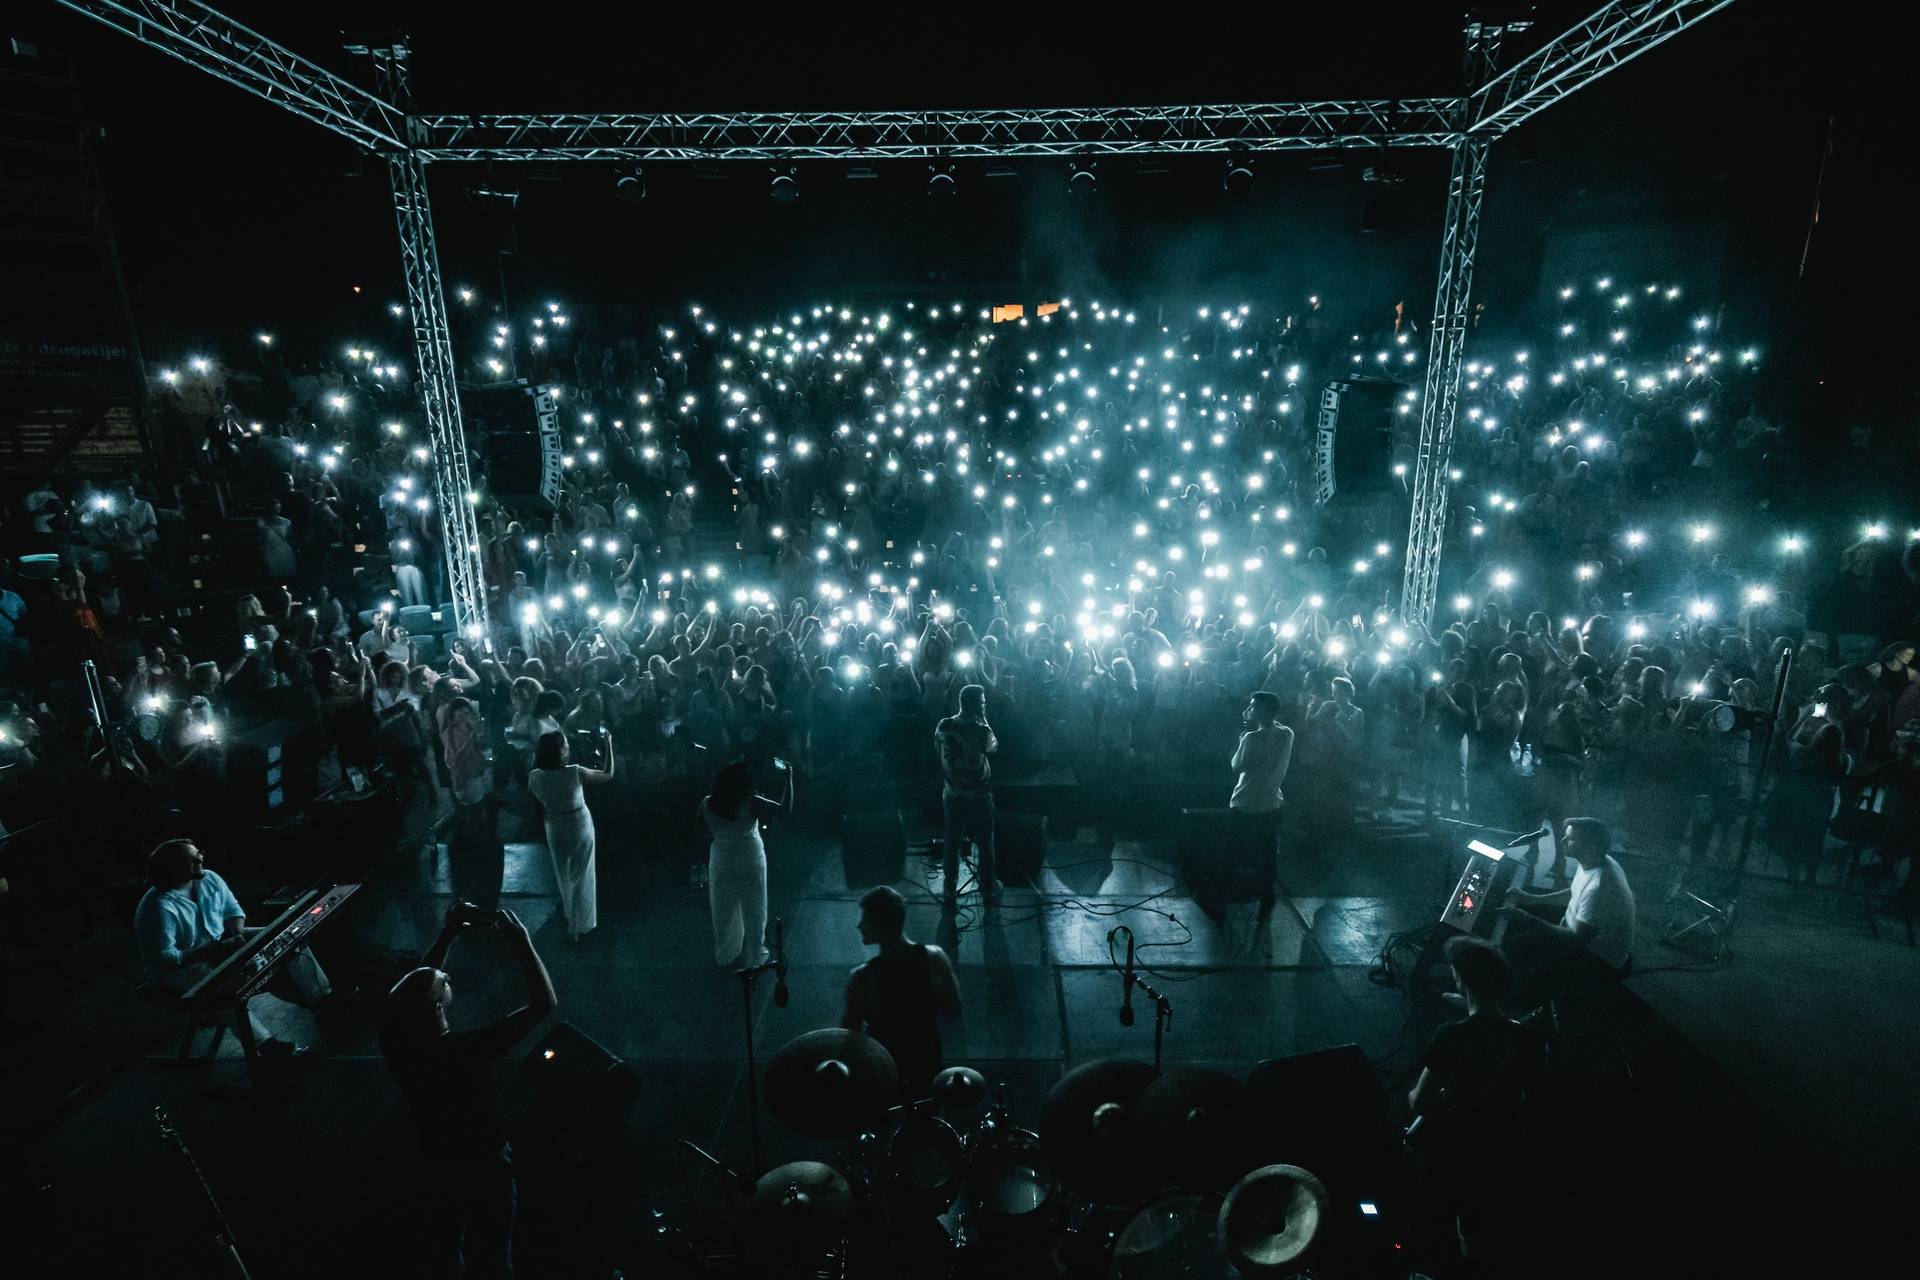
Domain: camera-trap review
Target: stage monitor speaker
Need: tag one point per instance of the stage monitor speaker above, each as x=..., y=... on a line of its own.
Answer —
x=873, y=847
x=271, y=768
x=1330, y=1114
x=578, y=1096
x=1204, y=848
x=1019, y=846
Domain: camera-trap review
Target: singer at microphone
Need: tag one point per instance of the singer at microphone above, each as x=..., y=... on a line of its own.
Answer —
x=1126, y=981
x=897, y=996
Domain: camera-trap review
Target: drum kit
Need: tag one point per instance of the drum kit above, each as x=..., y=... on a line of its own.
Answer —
x=1132, y=1175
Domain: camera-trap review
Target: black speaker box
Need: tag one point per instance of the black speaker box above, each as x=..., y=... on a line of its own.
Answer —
x=578, y=1096
x=1330, y=1115
x=1363, y=442
x=1203, y=847
x=873, y=847
x=1019, y=846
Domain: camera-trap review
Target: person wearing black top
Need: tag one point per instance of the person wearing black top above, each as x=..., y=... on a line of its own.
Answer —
x=447, y=1078
x=896, y=996
x=1474, y=1077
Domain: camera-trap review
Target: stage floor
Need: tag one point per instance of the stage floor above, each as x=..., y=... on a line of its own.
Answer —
x=1793, y=1055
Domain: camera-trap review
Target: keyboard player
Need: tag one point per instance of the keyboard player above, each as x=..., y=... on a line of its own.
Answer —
x=189, y=921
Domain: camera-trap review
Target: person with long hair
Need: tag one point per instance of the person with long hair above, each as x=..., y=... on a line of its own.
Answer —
x=736, y=869
x=556, y=786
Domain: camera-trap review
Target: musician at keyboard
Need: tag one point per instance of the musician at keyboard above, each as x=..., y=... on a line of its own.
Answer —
x=189, y=921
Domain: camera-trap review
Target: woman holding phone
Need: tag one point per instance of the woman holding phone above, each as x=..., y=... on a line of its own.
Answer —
x=556, y=785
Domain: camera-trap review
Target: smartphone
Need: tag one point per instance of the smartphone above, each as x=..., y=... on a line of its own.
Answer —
x=250, y=642
x=1820, y=709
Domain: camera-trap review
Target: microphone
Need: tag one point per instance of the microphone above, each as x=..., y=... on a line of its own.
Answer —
x=1530, y=837
x=1126, y=988
x=780, y=996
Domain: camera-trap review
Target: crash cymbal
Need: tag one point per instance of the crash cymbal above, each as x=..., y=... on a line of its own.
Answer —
x=796, y=1207
x=959, y=1087
x=831, y=1083
x=1091, y=1135
x=1270, y=1218
x=1206, y=1125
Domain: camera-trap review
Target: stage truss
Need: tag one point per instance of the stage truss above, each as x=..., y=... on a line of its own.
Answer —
x=382, y=123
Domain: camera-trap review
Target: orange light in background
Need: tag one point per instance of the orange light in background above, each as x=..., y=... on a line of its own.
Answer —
x=1046, y=308
x=1012, y=311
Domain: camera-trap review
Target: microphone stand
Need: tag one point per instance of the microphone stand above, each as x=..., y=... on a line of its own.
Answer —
x=747, y=977
x=1162, y=1015
x=223, y=1238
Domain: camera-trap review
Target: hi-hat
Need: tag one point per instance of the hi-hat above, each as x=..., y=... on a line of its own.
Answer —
x=800, y=1206
x=959, y=1087
x=1271, y=1218
x=1090, y=1132
x=831, y=1083
x=1206, y=1125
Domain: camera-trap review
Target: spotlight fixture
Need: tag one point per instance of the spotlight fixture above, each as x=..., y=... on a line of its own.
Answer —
x=940, y=180
x=631, y=185
x=1082, y=180
x=784, y=186
x=1239, y=177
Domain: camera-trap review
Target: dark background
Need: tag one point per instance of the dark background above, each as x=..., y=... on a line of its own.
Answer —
x=1697, y=163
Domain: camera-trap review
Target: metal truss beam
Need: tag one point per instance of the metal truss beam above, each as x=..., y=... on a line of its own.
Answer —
x=905, y=135
x=216, y=44
x=439, y=393
x=1446, y=343
x=1608, y=38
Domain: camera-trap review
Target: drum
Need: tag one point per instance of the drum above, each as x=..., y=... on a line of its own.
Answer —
x=926, y=1163
x=1010, y=1191
x=1175, y=1237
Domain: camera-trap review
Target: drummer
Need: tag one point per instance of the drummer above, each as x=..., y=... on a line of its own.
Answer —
x=896, y=996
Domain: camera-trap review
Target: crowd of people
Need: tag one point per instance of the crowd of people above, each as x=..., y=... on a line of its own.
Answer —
x=797, y=541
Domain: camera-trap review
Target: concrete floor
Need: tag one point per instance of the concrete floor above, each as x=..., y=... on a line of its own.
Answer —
x=1796, y=1052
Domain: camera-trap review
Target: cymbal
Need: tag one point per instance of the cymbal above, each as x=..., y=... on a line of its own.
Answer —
x=831, y=1083
x=1271, y=1217
x=1206, y=1125
x=803, y=1205
x=1175, y=1235
x=1090, y=1132
x=959, y=1087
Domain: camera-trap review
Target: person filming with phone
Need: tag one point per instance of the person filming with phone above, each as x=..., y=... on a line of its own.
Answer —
x=447, y=1077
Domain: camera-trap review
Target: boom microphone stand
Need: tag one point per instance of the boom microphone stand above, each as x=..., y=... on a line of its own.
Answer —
x=223, y=1239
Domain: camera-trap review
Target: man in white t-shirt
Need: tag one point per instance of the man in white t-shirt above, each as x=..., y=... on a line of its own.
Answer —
x=1260, y=765
x=1594, y=936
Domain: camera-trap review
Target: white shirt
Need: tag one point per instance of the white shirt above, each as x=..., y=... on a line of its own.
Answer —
x=170, y=923
x=1600, y=896
x=1261, y=760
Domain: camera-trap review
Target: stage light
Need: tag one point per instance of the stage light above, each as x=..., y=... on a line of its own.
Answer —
x=1239, y=177
x=630, y=187
x=1082, y=178
x=940, y=180
x=784, y=186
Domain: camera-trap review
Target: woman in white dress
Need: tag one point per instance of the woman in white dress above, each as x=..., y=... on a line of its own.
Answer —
x=556, y=785
x=736, y=870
